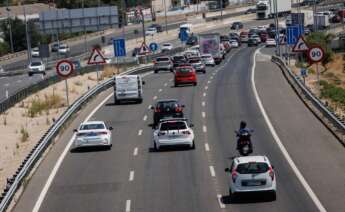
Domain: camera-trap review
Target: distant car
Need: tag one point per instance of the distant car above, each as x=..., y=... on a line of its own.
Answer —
x=250, y=10
x=244, y=36
x=64, y=49
x=236, y=25
x=253, y=42
x=92, y=134
x=173, y=132
x=166, y=47
x=179, y=60
x=162, y=64
x=185, y=75
x=252, y=174
x=227, y=46
x=151, y=31
x=192, y=53
x=263, y=36
x=234, y=43
x=135, y=52
x=208, y=60
x=36, y=67
x=55, y=47
x=257, y=37
x=197, y=64
x=191, y=41
x=35, y=52
x=270, y=42
x=167, y=108
x=224, y=38
x=158, y=27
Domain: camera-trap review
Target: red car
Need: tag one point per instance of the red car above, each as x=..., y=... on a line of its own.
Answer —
x=185, y=75
x=263, y=36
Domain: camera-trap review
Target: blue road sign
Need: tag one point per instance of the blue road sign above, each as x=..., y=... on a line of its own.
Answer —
x=153, y=47
x=183, y=35
x=293, y=33
x=304, y=72
x=119, y=47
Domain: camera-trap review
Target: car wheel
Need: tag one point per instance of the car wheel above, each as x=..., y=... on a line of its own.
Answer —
x=273, y=195
x=44, y=73
x=204, y=72
x=156, y=71
x=155, y=146
x=213, y=65
x=175, y=84
x=195, y=83
x=117, y=102
x=30, y=74
x=193, y=146
x=140, y=101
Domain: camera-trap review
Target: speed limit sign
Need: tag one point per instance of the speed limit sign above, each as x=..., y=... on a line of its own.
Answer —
x=64, y=68
x=316, y=54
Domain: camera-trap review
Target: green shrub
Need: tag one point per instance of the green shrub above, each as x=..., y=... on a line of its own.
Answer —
x=24, y=134
x=311, y=71
x=38, y=106
x=330, y=91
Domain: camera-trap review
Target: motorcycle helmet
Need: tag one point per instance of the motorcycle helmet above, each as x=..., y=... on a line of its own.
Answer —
x=243, y=125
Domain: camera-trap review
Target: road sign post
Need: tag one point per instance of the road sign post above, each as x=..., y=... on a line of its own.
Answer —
x=316, y=55
x=96, y=58
x=64, y=69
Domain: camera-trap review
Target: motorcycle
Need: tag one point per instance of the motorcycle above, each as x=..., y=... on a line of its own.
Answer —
x=244, y=145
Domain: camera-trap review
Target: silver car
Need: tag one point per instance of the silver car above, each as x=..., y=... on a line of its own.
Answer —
x=208, y=60
x=162, y=64
x=93, y=133
x=197, y=64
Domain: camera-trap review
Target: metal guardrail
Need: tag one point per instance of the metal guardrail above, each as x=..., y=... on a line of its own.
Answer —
x=29, y=162
x=336, y=121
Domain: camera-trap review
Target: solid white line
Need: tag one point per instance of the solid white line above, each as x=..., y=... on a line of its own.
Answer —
x=204, y=129
x=59, y=161
x=204, y=94
x=135, y=152
x=219, y=197
x=145, y=118
x=213, y=173
x=203, y=104
x=140, y=132
x=203, y=114
x=209, y=82
x=280, y=144
x=160, y=90
x=131, y=176
x=206, y=87
x=165, y=84
x=155, y=97
x=128, y=205
x=207, y=147
x=7, y=84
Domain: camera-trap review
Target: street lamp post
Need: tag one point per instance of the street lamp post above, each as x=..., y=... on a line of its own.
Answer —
x=85, y=41
x=277, y=27
x=28, y=44
x=143, y=24
x=9, y=26
x=165, y=15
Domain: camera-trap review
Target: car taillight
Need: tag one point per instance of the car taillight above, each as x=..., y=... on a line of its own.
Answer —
x=271, y=173
x=178, y=109
x=186, y=132
x=234, y=176
x=161, y=133
x=102, y=133
x=157, y=110
x=154, y=62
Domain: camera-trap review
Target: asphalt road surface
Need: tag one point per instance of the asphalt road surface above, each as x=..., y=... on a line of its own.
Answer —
x=133, y=177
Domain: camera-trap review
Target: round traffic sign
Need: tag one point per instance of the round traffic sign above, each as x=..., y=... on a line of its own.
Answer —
x=153, y=47
x=316, y=54
x=64, y=68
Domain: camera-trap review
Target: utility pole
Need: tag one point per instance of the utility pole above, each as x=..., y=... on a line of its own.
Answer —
x=124, y=9
x=316, y=27
x=165, y=16
x=9, y=26
x=221, y=10
x=85, y=40
x=277, y=27
x=143, y=23
x=28, y=44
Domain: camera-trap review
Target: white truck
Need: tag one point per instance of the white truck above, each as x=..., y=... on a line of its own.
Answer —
x=210, y=44
x=128, y=88
x=265, y=9
x=322, y=21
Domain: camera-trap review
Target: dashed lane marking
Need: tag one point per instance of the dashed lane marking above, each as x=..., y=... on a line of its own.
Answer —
x=221, y=204
x=203, y=114
x=131, y=176
x=208, y=82
x=213, y=173
x=128, y=205
x=160, y=90
x=206, y=87
x=135, y=152
x=207, y=147
x=165, y=84
x=155, y=97
x=145, y=118
x=204, y=129
x=149, y=107
x=204, y=94
x=203, y=104
x=140, y=132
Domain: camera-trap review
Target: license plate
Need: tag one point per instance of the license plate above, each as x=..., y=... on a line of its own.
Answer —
x=173, y=136
x=253, y=183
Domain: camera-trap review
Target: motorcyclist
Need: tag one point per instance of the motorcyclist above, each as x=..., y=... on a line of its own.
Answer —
x=243, y=130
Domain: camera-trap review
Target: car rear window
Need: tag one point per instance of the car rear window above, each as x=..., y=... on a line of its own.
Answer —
x=36, y=63
x=194, y=60
x=167, y=44
x=92, y=127
x=177, y=58
x=173, y=125
x=167, y=105
x=252, y=168
x=184, y=70
x=162, y=59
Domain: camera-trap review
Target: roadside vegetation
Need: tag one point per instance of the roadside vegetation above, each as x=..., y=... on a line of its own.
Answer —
x=38, y=105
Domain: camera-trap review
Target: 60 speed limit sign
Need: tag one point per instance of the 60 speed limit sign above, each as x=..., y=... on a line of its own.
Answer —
x=316, y=54
x=64, y=68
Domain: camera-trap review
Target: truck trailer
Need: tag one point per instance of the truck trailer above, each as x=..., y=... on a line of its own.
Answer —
x=265, y=8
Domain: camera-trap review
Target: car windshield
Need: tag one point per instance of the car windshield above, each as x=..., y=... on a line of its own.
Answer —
x=173, y=125
x=92, y=126
x=252, y=168
x=162, y=59
x=36, y=63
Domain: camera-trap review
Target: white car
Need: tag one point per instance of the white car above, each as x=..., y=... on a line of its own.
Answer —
x=151, y=31
x=252, y=174
x=167, y=46
x=92, y=134
x=37, y=67
x=63, y=49
x=35, y=52
x=173, y=132
x=270, y=42
x=208, y=60
x=234, y=43
x=195, y=48
x=257, y=37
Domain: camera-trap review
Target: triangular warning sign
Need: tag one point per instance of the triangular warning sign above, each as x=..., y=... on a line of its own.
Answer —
x=96, y=57
x=300, y=46
x=144, y=49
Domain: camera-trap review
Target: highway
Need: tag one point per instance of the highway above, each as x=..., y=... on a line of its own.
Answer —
x=133, y=177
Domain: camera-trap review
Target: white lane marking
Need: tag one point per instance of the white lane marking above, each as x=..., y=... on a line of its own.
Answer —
x=280, y=144
x=165, y=84
x=145, y=118
x=131, y=176
x=213, y=173
x=59, y=161
x=135, y=152
x=7, y=84
x=204, y=129
x=203, y=104
x=211, y=77
x=219, y=197
x=206, y=87
x=155, y=97
x=207, y=147
x=149, y=107
x=209, y=82
x=203, y=114
x=171, y=80
x=61, y=158
x=204, y=94
x=140, y=132
x=128, y=205
x=160, y=90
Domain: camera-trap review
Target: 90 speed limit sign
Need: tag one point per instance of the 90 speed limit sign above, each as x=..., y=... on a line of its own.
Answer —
x=64, y=68
x=316, y=54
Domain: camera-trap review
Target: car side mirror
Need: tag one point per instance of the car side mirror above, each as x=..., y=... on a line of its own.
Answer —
x=110, y=128
x=144, y=82
x=191, y=125
x=75, y=130
x=227, y=170
x=152, y=107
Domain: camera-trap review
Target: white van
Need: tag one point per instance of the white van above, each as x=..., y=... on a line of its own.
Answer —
x=128, y=88
x=186, y=27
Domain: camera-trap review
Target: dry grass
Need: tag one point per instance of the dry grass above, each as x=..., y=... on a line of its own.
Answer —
x=24, y=135
x=109, y=72
x=78, y=83
x=91, y=78
x=39, y=105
